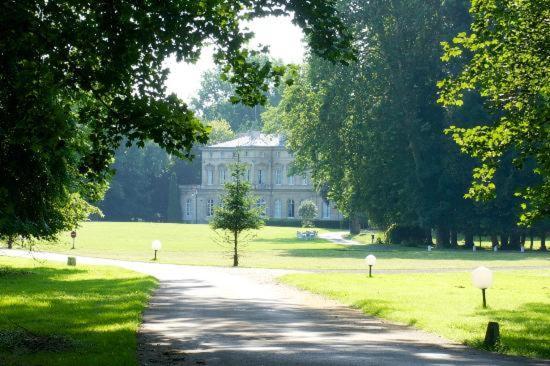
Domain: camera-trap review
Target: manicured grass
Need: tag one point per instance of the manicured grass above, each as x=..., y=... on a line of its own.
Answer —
x=448, y=304
x=273, y=247
x=51, y=314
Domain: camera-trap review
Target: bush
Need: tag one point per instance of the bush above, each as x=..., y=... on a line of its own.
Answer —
x=307, y=212
x=405, y=235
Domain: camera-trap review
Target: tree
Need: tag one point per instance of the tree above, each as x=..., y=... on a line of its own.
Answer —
x=214, y=101
x=372, y=131
x=505, y=58
x=173, y=213
x=307, y=212
x=76, y=78
x=237, y=211
x=220, y=131
x=139, y=187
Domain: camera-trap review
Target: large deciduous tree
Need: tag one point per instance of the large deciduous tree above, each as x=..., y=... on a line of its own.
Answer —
x=506, y=58
x=78, y=77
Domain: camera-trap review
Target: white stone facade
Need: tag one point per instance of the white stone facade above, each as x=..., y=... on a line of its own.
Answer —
x=268, y=165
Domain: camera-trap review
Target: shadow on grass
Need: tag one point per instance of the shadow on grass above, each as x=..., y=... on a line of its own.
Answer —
x=97, y=315
x=359, y=252
x=289, y=241
x=530, y=334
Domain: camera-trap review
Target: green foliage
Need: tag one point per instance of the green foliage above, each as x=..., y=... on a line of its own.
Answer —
x=214, y=102
x=237, y=211
x=405, y=235
x=505, y=57
x=76, y=78
x=220, y=131
x=173, y=213
x=139, y=187
x=307, y=212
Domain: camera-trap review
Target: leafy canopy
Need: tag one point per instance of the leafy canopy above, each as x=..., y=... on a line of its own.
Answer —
x=507, y=58
x=77, y=77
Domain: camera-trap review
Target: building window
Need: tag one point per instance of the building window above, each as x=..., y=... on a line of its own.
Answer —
x=260, y=176
x=188, y=208
x=290, y=180
x=278, y=176
x=326, y=209
x=222, y=174
x=247, y=174
x=278, y=154
x=210, y=207
x=278, y=209
x=305, y=180
x=209, y=176
x=262, y=204
x=290, y=208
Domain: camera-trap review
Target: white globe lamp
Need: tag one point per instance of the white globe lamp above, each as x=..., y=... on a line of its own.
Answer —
x=482, y=278
x=371, y=261
x=156, y=245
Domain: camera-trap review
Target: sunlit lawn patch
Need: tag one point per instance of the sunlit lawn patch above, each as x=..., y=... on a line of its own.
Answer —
x=51, y=314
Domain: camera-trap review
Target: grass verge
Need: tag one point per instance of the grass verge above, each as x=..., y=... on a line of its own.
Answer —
x=448, y=305
x=52, y=314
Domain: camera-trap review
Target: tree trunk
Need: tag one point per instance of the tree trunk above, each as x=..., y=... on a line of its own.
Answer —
x=429, y=239
x=543, y=241
x=469, y=239
x=354, y=225
x=10, y=242
x=442, y=237
x=515, y=240
x=454, y=238
x=504, y=240
x=235, y=252
x=531, y=240
x=494, y=241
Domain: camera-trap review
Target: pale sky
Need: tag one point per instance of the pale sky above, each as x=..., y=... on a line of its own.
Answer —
x=284, y=39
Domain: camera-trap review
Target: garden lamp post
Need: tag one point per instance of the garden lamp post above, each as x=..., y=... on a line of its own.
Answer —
x=482, y=278
x=156, y=245
x=371, y=261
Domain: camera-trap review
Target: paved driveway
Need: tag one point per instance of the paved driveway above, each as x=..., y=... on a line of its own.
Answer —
x=225, y=316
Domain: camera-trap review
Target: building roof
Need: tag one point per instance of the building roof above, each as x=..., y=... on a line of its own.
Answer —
x=253, y=139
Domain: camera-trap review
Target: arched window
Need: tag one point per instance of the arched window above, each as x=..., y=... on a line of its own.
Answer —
x=247, y=173
x=210, y=207
x=262, y=204
x=278, y=209
x=278, y=176
x=290, y=208
x=188, y=208
x=326, y=209
x=290, y=180
x=222, y=172
x=209, y=176
x=260, y=176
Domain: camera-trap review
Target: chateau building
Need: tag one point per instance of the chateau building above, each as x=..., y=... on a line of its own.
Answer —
x=268, y=164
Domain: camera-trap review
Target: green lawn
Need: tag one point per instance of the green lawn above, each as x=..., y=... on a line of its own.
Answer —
x=51, y=314
x=273, y=247
x=448, y=305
